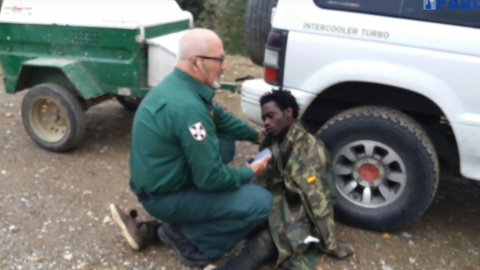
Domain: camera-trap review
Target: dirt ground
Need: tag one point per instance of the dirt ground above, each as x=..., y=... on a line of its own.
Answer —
x=54, y=207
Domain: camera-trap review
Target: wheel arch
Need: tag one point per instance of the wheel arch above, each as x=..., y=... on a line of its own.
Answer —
x=67, y=73
x=30, y=76
x=345, y=95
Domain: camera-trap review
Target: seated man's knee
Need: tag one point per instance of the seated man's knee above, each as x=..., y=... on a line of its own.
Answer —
x=260, y=200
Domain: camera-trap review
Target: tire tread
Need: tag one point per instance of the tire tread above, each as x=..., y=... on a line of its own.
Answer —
x=405, y=122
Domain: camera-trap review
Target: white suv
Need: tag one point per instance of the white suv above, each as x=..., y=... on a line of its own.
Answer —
x=389, y=86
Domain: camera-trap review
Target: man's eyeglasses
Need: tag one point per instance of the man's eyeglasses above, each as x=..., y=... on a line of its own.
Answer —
x=219, y=59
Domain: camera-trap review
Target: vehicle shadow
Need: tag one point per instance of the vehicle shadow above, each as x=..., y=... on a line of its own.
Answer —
x=455, y=208
x=109, y=125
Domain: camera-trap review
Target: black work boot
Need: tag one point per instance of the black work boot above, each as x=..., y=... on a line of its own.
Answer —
x=259, y=251
x=188, y=253
x=138, y=234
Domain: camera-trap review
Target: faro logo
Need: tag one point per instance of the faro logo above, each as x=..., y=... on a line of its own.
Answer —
x=451, y=4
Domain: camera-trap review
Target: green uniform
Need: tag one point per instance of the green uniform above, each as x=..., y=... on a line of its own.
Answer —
x=177, y=171
x=301, y=182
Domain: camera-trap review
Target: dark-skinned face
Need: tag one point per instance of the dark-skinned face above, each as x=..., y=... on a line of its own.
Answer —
x=276, y=121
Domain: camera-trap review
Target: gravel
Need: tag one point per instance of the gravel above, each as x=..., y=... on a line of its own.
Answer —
x=54, y=207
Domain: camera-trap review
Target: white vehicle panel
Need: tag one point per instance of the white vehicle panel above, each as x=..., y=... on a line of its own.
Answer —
x=439, y=61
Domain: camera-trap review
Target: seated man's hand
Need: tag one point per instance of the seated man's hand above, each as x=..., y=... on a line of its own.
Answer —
x=260, y=165
x=343, y=251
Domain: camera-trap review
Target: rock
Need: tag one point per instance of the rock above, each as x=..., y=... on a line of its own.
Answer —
x=384, y=265
x=4, y=172
x=34, y=259
x=392, y=257
x=107, y=219
x=406, y=235
x=26, y=202
x=208, y=267
x=68, y=256
x=13, y=229
x=82, y=265
x=8, y=114
x=386, y=235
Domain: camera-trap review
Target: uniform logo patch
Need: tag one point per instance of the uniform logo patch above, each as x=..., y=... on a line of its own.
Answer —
x=198, y=131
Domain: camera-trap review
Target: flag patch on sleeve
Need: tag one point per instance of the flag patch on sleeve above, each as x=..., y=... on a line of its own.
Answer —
x=311, y=179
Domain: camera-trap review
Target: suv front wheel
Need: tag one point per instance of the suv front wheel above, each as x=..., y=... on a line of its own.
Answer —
x=385, y=167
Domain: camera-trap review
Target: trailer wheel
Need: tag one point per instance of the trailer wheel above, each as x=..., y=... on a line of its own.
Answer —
x=129, y=103
x=53, y=117
x=257, y=27
x=385, y=167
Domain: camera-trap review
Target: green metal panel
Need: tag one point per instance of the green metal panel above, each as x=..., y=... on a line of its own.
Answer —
x=230, y=86
x=72, y=70
x=164, y=29
x=110, y=56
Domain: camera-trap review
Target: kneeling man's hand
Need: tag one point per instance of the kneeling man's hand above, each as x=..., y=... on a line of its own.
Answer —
x=260, y=165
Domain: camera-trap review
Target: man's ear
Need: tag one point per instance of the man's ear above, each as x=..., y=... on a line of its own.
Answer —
x=288, y=112
x=193, y=62
x=195, y=65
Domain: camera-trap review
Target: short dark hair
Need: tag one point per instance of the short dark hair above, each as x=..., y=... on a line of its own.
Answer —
x=284, y=100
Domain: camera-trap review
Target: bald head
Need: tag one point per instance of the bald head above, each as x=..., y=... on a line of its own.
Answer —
x=201, y=55
x=198, y=41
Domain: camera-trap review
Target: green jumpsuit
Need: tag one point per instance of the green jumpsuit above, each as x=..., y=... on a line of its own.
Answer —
x=178, y=174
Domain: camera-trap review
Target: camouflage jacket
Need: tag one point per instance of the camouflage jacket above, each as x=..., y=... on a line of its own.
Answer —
x=301, y=182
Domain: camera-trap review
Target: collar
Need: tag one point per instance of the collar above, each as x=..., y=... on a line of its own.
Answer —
x=205, y=92
x=295, y=132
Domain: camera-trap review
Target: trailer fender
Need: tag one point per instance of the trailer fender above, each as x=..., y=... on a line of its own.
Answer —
x=66, y=72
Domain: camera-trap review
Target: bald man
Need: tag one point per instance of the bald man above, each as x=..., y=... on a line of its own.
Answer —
x=176, y=170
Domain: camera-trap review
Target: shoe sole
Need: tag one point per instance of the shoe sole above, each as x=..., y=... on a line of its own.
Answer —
x=170, y=244
x=123, y=228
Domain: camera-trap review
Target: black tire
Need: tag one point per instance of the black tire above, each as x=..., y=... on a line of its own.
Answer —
x=412, y=163
x=257, y=27
x=130, y=104
x=38, y=106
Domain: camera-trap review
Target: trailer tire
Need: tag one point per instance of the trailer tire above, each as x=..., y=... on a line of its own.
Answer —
x=257, y=27
x=385, y=167
x=53, y=117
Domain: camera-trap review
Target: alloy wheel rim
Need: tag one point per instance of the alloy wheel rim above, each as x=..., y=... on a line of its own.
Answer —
x=369, y=173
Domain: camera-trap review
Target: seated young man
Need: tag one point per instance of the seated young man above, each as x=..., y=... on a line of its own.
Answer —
x=300, y=179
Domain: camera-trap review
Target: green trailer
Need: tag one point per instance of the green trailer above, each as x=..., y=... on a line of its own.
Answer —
x=72, y=55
